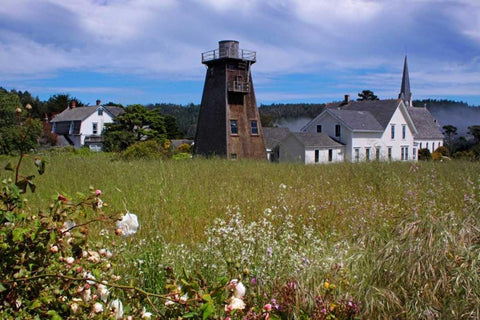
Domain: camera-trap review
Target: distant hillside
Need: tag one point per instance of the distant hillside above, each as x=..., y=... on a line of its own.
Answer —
x=186, y=115
x=447, y=112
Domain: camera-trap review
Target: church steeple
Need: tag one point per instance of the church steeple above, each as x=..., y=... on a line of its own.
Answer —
x=405, y=93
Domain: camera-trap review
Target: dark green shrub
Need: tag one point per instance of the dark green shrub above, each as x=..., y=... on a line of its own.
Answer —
x=424, y=154
x=150, y=149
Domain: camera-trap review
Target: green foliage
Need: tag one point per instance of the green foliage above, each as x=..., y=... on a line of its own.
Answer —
x=13, y=140
x=136, y=124
x=475, y=132
x=150, y=149
x=186, y=116
x=424, y=154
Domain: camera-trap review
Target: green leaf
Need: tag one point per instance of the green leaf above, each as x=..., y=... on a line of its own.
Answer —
x=9, y=167
x=191, y=314
x=209, y=309
x=2, y=288
x=54, y=315
x=18, y=234
x=206, y=297
x=40, y=164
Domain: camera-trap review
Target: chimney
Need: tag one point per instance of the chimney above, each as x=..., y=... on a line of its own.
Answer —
x=99, y=102
x=73, y=104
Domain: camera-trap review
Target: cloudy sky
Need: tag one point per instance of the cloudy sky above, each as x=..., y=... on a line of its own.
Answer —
x=147, y=51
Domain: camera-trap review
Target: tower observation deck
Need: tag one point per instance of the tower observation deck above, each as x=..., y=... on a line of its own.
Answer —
x=228, y=49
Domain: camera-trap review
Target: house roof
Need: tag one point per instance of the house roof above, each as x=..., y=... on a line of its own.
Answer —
x=273, y=135
x=358, y=120
x=427, y=127
x=81, y=113
x=315, y=139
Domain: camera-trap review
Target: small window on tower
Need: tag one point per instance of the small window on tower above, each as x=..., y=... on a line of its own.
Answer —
x=233, y=127
x=254, y=125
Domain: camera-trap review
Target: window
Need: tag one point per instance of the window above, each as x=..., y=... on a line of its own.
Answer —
x=357, y=154
x=433, y=146
x=377, y=153
x=404, y=153
x=404, y=131
x=420, y=145
x=254, y=125
x=337, y=130
x=319, y=128
x=367, y=153
x=330, y=155
x=95, y=128
x=70, y=129
x=427, y=146
x=414, y=153
x=233, y=127
x=233, y=156
x=392, y=130
x=100, y=112
x=317, y=156
x=389, y=153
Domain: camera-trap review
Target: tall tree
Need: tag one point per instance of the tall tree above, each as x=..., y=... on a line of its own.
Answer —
x=450, y=131
x=367, y=95
x=475, y=132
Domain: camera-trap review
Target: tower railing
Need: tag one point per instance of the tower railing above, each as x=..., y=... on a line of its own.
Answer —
x=229, y=53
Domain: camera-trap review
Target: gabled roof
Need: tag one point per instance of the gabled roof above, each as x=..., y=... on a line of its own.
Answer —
x=315, y=139
x=81, y=113
x=381, y=110
x=273, y=135
x=357, y=120
x=427, y=127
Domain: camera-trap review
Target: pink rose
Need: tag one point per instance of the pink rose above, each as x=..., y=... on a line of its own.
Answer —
x=98, y=192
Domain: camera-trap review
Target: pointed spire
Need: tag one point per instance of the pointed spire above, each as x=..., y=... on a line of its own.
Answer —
x=405, y=93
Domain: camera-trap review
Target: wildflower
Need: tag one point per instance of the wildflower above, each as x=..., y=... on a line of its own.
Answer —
x=87, y=294
x=103, y=292
x=98, y=203
x=98, y=192
x=53, y=249
x=70, y=260
x=61, y=198
x=326, y=285
x=117, y=307
x=97, y=307
x=169, y=303
x=283, y=186
x=267, y=307
x=184, y=298
x=254, y=281
x=88, y=275
x=145, y=314
x=238, y=287
x=128, y=225
x=235, y=304
x=74, y=307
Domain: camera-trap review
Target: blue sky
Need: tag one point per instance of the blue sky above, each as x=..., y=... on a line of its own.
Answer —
x=148, y=51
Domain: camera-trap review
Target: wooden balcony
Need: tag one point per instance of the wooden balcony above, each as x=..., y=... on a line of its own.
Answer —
x=235, y=86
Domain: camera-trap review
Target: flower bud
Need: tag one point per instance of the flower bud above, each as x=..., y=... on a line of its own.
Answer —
x=267, y=307
x=18, y=110
x=28, y=106
x=53, y=249
x=98, y=192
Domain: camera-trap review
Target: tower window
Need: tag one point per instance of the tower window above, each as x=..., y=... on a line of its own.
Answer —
x=233, y=127
x=254, y=125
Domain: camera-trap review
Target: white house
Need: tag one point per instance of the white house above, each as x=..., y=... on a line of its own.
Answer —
x=369, y=130
x=310, y=148
x=81, y=126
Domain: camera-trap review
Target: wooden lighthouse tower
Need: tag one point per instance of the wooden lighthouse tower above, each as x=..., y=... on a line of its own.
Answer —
x=229, y=123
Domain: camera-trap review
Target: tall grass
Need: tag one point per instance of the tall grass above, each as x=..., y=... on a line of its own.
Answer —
x=401, y=238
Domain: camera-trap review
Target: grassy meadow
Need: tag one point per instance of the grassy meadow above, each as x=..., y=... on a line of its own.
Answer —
x=400, y=240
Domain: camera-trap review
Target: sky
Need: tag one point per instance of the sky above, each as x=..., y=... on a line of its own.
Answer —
x=308, y=51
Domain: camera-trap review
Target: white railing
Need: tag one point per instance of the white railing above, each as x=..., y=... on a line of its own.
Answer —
x=229, y=53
